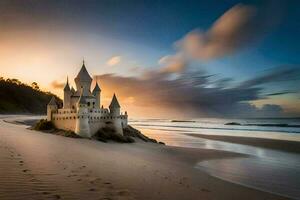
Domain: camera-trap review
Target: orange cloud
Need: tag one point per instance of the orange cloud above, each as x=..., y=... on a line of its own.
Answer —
x=172, y=64
x=230, y=32
x=57, y=85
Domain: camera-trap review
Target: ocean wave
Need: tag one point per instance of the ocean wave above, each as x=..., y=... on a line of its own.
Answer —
x=213, y=128
x=266, y=125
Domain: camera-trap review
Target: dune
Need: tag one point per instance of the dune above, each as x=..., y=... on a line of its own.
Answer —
x=37, y=165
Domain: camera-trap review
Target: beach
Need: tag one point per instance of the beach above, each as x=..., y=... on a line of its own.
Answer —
x=36, y=165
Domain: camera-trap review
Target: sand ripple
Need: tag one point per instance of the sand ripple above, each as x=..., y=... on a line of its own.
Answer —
x=20, y=181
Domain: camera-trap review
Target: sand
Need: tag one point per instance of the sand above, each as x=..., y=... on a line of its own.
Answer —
x=282, y=145
x=37, y=165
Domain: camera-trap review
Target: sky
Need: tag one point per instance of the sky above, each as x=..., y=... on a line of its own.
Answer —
x=180, y=59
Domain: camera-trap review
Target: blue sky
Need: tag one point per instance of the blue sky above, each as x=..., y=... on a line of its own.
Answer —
x=153, y=27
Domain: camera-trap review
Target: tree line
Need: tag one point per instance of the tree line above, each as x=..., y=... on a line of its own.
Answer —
x=18, y=97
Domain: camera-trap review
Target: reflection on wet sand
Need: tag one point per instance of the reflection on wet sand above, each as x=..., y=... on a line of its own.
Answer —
x=269, y=170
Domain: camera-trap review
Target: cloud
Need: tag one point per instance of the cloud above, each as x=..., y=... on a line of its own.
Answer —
x=57, y=85
x=280, y=93
x=188, y=95
x=196, y=93
x=240, y=26
x=279, y=74
x=234, y=29
x=114, y=61
x=172, y=64
x=271, y=110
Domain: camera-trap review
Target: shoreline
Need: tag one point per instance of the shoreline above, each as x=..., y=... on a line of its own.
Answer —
x=50, y=166
x=282, y=145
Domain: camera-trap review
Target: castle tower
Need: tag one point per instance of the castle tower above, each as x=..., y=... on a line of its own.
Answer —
x=83, y=81
x=51, y=108
x=67, y=95
x=97, y=93
x=114, y=106
x=82, y=120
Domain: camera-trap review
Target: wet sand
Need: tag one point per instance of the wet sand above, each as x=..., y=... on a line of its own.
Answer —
x=282, y=145
x=36, y=165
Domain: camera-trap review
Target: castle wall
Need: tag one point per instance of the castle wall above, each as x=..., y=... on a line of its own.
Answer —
x=66, y=119
x=97, y=121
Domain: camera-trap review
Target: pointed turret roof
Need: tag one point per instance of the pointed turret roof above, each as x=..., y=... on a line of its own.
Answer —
x=67, y=87
x=52, y=102
x=83, y=74
x=96, y=88
x=114, y=102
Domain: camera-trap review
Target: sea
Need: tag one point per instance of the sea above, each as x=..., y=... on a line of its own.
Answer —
x=264, y=169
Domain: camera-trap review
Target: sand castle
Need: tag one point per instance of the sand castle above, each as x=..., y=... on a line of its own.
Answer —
x=82, y=112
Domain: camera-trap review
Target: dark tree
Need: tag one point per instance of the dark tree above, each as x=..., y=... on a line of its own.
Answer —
x=17, y=97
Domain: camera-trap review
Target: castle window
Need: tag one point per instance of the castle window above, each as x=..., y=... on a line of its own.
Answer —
x=88, y=103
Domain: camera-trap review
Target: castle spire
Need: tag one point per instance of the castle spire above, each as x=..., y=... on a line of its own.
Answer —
x=67, y=87
x=83, y=74
x=52, y=102
x=96, y=88
x=114, y=102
